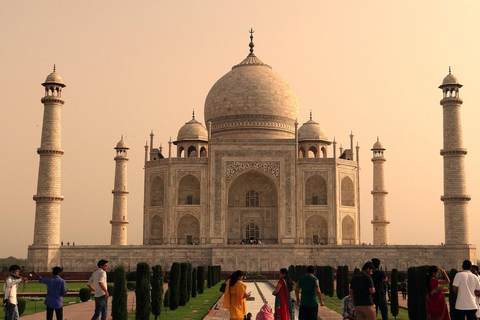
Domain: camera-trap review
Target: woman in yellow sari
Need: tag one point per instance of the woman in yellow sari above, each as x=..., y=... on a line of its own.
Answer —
x=235, y=295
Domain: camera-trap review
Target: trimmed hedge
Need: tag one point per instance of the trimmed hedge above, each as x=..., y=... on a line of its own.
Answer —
x=85, y=294
x=194, y=282
x=394, y=294
x=157, y=290
x=21, y=305
x=174, y=286
x=189, y=281
x=200, y=279
x=183, y=284
x=131, y=285
x=142, y=293
x=119, y=295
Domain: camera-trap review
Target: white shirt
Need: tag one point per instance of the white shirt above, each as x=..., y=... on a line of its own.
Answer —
x=98, y=276
x=467, y=283
x=10, y=289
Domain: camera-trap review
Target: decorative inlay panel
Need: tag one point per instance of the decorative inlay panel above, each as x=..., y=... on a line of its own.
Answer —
x=323, y=174
x=182, y=173
x=270, y=167
x=324, y=214
x=196, y=214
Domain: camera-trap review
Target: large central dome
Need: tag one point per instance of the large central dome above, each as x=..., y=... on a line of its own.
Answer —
x=253, y=101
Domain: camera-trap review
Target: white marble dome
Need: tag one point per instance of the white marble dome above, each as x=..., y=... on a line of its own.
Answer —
x=311, y=130
x=121, y=144
x=449, y=80
x=192, y=130
x=378, y=145
x=252, y=99
x=54, y=78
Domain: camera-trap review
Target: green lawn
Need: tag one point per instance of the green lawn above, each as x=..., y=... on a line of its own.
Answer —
x=334, y=303
x=195, y=309
x=35, y=305
x=39, y=287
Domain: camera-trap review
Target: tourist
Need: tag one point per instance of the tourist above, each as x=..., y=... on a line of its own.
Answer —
x=235, y=295
x=466, y=285
x=403, y=288
x=348, y=310
x=308, y=283
x=476, y=272
x=10, y=292
x=56, y=289
x=361, y=290
x=98, y=283
x=283, y=302
x=265, y=313
x=379, y=281
x=436, y=304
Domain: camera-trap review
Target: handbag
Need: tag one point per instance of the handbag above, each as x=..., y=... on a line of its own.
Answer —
x=223, y=287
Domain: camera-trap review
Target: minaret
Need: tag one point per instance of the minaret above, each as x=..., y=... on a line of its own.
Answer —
x=455, y=198
x=119, y=214
x=380, y=222
x=48, y=198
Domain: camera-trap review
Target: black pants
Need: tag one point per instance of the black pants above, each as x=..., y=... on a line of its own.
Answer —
x=308, y=313
x=58, y=313
x=469, y=314
x=383, y=309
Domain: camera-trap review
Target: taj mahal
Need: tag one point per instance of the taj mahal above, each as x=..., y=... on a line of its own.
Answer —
x=252, y=171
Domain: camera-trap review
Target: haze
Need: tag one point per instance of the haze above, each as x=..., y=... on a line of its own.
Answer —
x=372, y=67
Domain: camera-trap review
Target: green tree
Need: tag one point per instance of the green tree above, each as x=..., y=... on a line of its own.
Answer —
x=183, y=284
x=174, y=286
x=452, y=298
x=412, y=301
x=340, y=282
x=394, y=293
x=85, y=294
x=329, y=280
x=200, y=278
x=142, y=292
x=346, y=282
x=209, y=276
x=21, y=305
x=157, y=290
x=119, y=297
x=189, y=281
x=194, y=282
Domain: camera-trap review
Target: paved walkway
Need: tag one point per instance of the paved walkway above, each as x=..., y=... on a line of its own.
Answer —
x=82, y=310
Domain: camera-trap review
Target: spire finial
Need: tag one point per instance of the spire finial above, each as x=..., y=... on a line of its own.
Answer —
x=377, y=139
x=449, y=70
x=193, y=114
x=251, y=45
x=310, y=114
x=54, y=67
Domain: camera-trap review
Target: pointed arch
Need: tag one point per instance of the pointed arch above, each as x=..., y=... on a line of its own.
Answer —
x=203, y=152
x=348, y=230
x=316, y=191
x=188, y=230
x=192, y=152
x=312, y=152
x=157, y=189
x=301, y=153
x=316, y=228
x=156, y=229
x=189, y=190
x=347, y=192
x=324, y=152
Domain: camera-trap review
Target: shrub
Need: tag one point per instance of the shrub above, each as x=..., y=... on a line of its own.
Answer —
x=194, y=282
x=340, y=282
x=189, y=281
x=142, y=292
x=110, y=288
x=394, y=293
x=329, y=280
x=119, y=301
x=346, y=281
x=85, y=294
x=200, y=278
x=132, y=276
x=110, y=276
x=157, y=290
x=21, y=304
x=412, y=293
x=183, y=284
x=209, y=276
x=131, y=285
x=174, y=286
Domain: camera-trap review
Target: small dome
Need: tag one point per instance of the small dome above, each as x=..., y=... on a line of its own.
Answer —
x=121, y=144
x=311, y=130
x=378, y=145
x=192, y=130
x=450, y=79
x=54, y=78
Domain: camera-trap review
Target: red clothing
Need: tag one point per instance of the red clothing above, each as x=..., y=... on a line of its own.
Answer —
x=283, y=308
x=436, y=304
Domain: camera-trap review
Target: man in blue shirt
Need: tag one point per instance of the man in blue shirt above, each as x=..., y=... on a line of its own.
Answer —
x=56, y=289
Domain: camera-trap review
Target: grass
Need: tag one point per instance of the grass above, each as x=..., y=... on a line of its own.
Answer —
x=35, y=305
x=40, y=287
x=334, y=303
x=195, y=309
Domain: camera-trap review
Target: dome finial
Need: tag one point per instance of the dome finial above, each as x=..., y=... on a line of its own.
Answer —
x=193, y=114
x=310, y=114
x=54, y=67
x=449, y=70
x=251, y=45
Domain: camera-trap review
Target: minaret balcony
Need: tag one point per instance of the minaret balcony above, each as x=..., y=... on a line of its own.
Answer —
x=52, y=99
x=456, y=151
x=451, y=100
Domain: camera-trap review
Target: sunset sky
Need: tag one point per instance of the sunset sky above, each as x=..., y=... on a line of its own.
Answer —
x=371, y=67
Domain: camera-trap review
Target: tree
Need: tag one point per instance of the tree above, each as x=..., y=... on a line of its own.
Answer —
x=166, y=300
x=200, y=278
x=183, y=284
x=340, y=282
x=189, y=281
x=194, y=282
x=329, y=280
x=452, y=298
x=119, y=297
x=174, y=286
x=142, y=292
x=157, y=290
x=394, y=293
x=346, y=282
x=412, y=293
x=209, y=276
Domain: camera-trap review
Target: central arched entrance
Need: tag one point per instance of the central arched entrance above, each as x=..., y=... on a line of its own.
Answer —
x=252, y=210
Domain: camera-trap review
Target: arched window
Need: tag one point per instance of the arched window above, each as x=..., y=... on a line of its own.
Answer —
x=315, y=191
x=316, y=229
x=188, y=230
x=348, y=230
x=252, y=231
x=181, y=152
x=157, y=192
x=192, y=152
x=324, y=152
x=203, y=152
x=348, y=192
x=301, y=153
x=189, y=190
x=156, y=228
x=252, y=199
x=312, y=152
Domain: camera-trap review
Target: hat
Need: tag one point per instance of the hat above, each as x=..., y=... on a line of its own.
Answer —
x=102, y=262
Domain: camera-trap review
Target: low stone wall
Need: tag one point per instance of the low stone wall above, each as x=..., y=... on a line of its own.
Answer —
x=248, y=257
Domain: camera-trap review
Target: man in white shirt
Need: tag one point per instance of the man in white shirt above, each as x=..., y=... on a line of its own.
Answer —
x=98, y=283
x=10, y=292
x=466, y=285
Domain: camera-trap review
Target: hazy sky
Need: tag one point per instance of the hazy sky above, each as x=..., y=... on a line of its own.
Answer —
x=373, y=67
